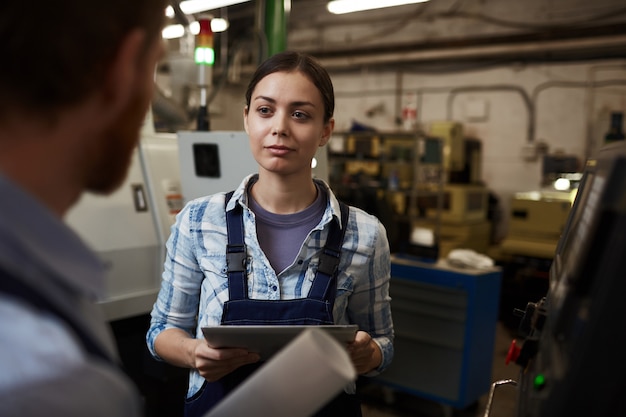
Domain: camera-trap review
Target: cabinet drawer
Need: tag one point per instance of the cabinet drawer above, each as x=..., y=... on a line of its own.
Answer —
x=428, y=314
x=425, y=369
x=428, y=293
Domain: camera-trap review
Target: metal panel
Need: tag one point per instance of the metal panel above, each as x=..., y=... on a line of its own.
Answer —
x=122, y=228
x=232, y=155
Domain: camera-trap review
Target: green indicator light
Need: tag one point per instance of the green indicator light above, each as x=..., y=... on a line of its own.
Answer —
x=204, y=56
x=539, y=381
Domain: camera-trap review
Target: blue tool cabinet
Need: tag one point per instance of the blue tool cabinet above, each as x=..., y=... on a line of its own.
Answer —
x=445, y=324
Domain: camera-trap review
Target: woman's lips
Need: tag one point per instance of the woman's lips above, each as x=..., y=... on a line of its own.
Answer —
x=278, y=150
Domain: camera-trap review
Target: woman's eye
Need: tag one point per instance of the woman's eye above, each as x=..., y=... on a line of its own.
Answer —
x=299, y=115
x=264, y=110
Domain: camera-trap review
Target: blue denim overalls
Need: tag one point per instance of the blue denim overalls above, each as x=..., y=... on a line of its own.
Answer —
x=316, y=309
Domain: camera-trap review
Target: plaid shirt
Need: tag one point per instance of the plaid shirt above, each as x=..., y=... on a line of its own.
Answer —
x=195, y=284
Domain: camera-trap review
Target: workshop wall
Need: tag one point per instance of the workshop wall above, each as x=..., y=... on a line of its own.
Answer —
x=569, y=117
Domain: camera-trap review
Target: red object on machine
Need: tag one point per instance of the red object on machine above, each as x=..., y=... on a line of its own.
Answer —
x=513, y=352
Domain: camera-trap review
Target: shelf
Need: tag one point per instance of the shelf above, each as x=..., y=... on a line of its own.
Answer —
x=400, y=170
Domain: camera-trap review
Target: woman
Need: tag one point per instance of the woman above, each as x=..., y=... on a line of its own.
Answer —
x=286, y=218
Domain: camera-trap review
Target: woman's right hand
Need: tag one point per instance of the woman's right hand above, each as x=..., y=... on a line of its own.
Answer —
x=180, y=349
x=213, y=364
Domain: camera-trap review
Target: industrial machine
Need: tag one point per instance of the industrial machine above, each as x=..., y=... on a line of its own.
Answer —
x=537, y=218
x=463, y=221
x=461, y=208
x=462, y=203
x=536, y=222
x=574, y=336
x=128, y=228
x=213, y=161
x=451, y=134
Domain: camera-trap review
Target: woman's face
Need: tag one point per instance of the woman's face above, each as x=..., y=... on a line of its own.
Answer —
x=285, y=123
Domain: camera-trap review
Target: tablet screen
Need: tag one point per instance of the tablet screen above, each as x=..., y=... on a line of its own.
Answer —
x=267, y=340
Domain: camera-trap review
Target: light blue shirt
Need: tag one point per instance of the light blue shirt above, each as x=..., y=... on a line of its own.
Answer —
x=40, y=357
x=195, y=284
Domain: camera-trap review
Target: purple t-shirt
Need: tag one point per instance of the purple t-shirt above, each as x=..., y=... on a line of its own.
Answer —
x=282, y=235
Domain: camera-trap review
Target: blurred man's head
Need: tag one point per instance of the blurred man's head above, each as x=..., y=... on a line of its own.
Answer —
x=63, y=57
x=56, y=53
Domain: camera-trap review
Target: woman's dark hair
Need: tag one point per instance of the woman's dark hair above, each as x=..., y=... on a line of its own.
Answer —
x=290, y=61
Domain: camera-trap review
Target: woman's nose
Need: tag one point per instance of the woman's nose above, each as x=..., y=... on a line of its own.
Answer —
x=280, y=126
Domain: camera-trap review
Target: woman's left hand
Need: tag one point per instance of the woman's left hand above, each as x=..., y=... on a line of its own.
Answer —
x=364, y=352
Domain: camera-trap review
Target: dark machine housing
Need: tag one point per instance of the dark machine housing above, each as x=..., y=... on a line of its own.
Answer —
x=572, y=356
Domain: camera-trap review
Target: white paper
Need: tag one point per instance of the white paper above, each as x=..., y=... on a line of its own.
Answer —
x=298, y=381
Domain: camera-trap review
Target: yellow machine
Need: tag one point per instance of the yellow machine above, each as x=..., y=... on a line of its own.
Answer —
x=451, y=133
x=459, y=220
x=537, y=220
x=462, y=203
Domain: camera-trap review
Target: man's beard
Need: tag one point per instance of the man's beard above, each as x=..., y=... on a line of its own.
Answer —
x=110, y=167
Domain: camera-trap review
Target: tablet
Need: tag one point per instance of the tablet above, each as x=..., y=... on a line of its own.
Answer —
x=267, y=340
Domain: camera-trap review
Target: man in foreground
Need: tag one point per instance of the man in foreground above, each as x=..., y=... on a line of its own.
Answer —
x=75, y=84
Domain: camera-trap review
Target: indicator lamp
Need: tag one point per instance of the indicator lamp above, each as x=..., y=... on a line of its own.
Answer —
x=204, y=53
x=539, y=382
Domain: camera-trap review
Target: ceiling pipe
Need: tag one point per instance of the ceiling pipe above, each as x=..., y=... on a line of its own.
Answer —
x=275, y=26
x=402, y=53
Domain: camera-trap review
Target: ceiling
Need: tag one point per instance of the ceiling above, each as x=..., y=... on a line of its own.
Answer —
x=438, y=36
x=440, y=32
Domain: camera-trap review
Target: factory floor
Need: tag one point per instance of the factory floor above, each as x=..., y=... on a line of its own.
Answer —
x=379, y=402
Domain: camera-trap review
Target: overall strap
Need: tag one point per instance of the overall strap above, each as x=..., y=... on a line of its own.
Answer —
x=325, y=283
x=235, y=252
x=12, y=286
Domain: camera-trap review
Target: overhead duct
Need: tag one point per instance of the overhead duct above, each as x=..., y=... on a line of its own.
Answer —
x=518, y=48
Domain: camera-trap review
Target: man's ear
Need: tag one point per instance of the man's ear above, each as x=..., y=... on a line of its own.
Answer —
x=123, y=72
